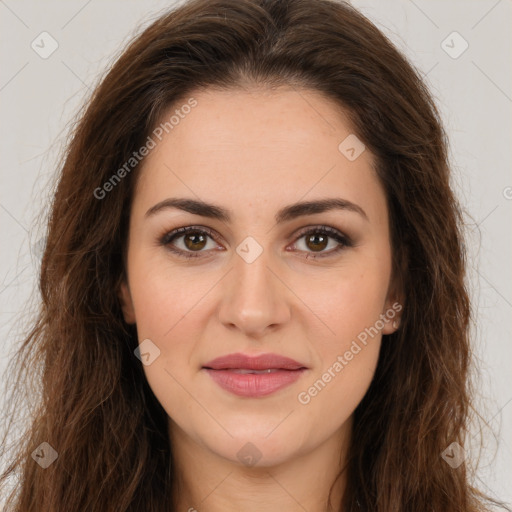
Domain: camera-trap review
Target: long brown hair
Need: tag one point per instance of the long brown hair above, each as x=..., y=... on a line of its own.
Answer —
x=97, y=410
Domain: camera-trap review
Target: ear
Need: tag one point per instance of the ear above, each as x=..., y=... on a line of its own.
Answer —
x=393, y=310
x=126, y=302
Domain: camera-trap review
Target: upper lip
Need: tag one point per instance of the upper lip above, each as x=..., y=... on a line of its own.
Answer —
x=259, y=362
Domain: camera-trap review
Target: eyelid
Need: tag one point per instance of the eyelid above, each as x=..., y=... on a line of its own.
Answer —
x=319, y=227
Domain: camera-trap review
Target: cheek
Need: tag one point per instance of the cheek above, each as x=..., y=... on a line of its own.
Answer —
x=348, y=356
x=349, y=302
x=164, y=295
x=334, y=394
x=171, y=389
x=169, y=312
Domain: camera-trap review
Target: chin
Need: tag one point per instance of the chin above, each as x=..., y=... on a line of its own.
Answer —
x=255, y=448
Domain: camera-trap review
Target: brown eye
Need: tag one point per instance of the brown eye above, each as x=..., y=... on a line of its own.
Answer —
x=317, y=242
x=318, y=239
x=189, y=242
x=194, y=241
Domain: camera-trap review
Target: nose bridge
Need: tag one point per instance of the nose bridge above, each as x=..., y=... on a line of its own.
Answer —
x=254, y=299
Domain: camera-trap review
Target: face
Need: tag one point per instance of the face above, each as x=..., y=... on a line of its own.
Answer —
x=309, y=284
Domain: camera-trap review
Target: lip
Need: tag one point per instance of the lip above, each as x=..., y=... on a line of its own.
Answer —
x=230, y=372
x=259, y=362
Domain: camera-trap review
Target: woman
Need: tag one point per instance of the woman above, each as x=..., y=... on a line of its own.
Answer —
x=253, y=285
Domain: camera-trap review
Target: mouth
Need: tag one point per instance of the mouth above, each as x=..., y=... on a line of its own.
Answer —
x=246, y=370
x=253, y=377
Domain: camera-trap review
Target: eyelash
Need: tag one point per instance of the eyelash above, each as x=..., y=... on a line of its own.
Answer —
x=343, y=240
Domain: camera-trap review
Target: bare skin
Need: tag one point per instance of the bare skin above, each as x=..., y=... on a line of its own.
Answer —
x=254, y=152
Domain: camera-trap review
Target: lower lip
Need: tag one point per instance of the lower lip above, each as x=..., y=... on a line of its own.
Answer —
x=254, y=384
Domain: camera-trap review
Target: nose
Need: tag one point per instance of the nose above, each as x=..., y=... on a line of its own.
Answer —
x=255, y=298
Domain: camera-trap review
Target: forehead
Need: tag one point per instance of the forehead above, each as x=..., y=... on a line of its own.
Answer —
x=256, y=147
x=276, y=120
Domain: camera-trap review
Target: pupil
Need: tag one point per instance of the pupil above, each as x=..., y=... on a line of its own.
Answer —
x=322, y=237
x=192, y=244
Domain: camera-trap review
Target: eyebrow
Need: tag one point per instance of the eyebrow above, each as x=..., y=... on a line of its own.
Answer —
x=212, y=211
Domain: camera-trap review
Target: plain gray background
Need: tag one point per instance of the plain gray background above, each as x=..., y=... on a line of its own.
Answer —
x=40, y=96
